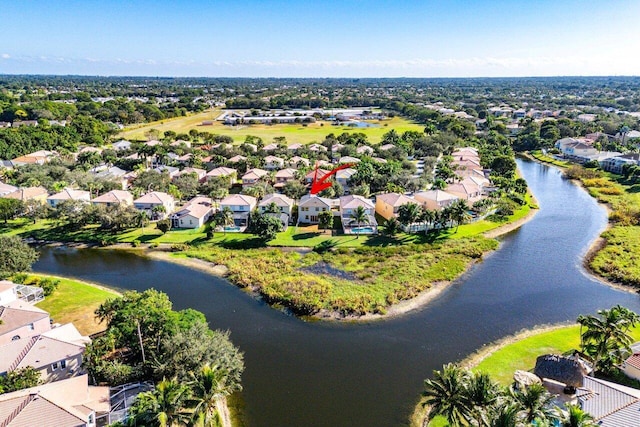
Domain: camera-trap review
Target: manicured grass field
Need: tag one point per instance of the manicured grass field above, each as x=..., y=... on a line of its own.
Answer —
x=522, y=354
x=76, y=302
x=295, y=133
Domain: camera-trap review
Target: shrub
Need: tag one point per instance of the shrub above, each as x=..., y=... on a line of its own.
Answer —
x=48, y=285
x=179, y=247
x=154, y=245
x=135, y=243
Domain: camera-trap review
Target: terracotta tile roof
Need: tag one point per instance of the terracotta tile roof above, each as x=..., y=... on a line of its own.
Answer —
x=634, y=360
x=27, y=193
x=221, y=171
x=114, y=196
x=395, y=199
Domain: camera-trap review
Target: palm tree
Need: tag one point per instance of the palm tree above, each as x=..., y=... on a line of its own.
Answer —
x=359, y=216
x=391, y=226
x=225, y=218
x=535, y=402
x=142, y=219
x=607, y=337
x=482, y=395
x=505, y=415
x=165, y=406
x=428, y=217
x=459, y=212
x=445, y=395
x=409, y=213
x=576, y=417
x=211, y=386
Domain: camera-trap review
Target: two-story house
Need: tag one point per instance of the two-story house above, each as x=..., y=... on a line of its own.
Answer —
x=311, y=206
x=241, y=205
x=156, y=204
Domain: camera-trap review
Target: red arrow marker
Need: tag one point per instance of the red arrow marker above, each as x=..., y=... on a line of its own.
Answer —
x=317, y=185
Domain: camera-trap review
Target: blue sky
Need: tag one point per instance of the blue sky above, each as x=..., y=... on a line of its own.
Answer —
x=348, y=38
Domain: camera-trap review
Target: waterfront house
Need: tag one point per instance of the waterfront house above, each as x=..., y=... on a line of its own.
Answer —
x=241, y=205
x=114, y=197
x=68, y=194
x=67, y=403
x=348, y=205
x=310, y=207
x=465, y=190
x=194, y=214
x=155, y=204
x=21, y=320
x=435, y=199
x=283, y=204
x=387, y=204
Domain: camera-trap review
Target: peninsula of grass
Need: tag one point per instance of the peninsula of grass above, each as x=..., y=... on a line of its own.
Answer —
x=538, y=155
x=294, y=133
x=346, y=282
x=617, y=257
x=75, y=301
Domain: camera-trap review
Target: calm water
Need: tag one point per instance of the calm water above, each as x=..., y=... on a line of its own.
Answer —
x=325, y=374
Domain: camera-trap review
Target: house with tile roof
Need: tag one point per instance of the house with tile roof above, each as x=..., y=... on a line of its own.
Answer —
x=201, y=174
x=610, y=404
x=150, y=202
x=21, y=320
x=68, y=194
x=273, y=163
x=387, y=204
x=52, y=356
x=241, y=205
x=348, y=206
x=114, y=197
x=283, y=176
x=253, y=176
x=631, y=366
x=29, y=193
x=67, y=403
x=435, y=199
x=6, y=189
x=194, y=214
x=310, y=207
x=223, y=172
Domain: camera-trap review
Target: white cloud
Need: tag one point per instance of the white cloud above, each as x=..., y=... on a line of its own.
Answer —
x=5, y=56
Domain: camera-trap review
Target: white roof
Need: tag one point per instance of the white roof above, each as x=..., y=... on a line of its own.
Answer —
x=114, y=196
x=238, y=200
x=278, y=199
x=353, y=201
x=155, y=197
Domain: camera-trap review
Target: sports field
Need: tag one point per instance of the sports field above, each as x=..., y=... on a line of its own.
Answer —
x=295, y=133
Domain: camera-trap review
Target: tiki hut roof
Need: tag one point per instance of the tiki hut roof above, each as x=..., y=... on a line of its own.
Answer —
x=568, y=370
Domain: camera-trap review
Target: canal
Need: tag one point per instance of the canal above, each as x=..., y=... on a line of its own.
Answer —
x=339, y=374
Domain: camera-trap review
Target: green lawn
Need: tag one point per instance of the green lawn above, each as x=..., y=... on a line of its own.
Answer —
x=75, y=302
x=522, y=354
x=537, y=154
x=295, y=133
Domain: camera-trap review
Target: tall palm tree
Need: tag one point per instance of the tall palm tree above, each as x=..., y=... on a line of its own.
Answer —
x=505, y=415
x=164, y=407
x=409, y=213
x=535, y=402
x=607, y=338
x=210, y=387
x=359, y=216
x=576, y=417
x=445, y=395
x=482, y=395
x=225, y=218
x=428, y=217
x=459, y=212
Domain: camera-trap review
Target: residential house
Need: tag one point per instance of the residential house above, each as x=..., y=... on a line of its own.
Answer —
x=114, y=197
x=571, y=147
x=181, y=143
x=283, y=176
x=294, y=147
x=465, y=190
x=21, y=320
x=155, y=204
x=337, y=147
x=386, y=147
x=317, y=148
x=8, y=292
x=56, y=355
x=121, y=145
x=348, y=159
x=67, y=403
x=344, y=175
x=237, y=159
x=297, y=161
x=348, y=205
x=310, y=207
x=152, y=143
x=68, y=194
x=631, y=366
x=223, y=172
x=194, y=214
x=283, y=203
x=435, y=199
x=616, y=164
x=610, y=404
x=29, y=193
x=38, y=158
x=273, y=163
x=112, y=173
x=315, y=174
x=241, y=205
x=253, y=176
x=6, y=189
x=270, y=147
x=387, y=204
x=364, y=149
x=201, y=174
x=169, y=170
